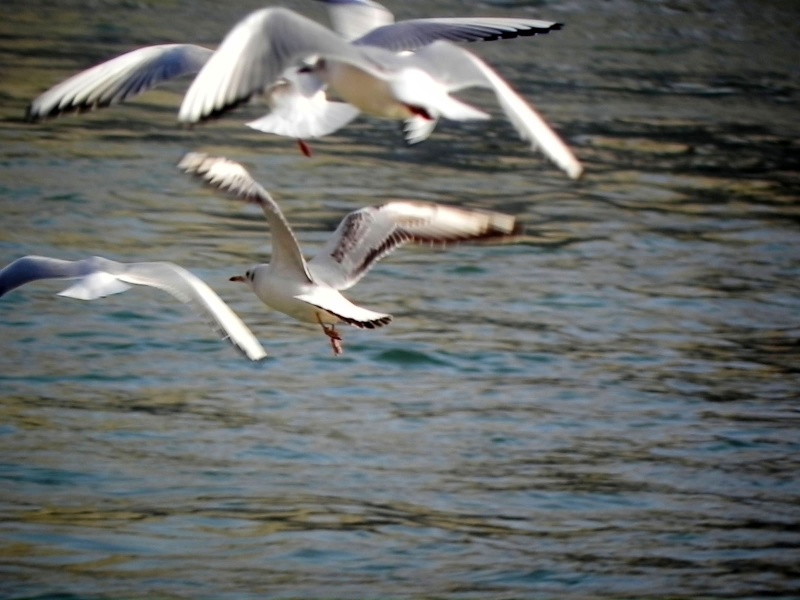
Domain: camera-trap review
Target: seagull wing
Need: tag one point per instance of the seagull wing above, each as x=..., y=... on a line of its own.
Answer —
x=366, y=235
x=190, y=289
x=417, y=33
x=353, y=18
x=254, y=55
x=119, y=79
x=231, y=177
x=94, y=280
x=97, y=277
x=458, y=68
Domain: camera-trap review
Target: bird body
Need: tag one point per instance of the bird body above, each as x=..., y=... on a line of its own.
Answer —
x=363, y=90
x=292, y=62
x=118, y=79
x=309, y=302
x=374, y=80
x=403, y=94
x=310, y=291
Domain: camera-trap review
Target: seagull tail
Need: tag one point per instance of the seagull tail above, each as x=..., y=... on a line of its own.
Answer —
x=318, y=121
x=418, y=128
x=348, y=312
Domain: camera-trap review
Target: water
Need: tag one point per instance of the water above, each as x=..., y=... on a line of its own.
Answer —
x=609, y=409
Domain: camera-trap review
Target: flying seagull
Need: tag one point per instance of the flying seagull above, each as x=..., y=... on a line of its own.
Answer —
x=309, y=291
x=292, y=113
x=140, y=70
x=261, y=47
x=97, y=277
x=299, y=107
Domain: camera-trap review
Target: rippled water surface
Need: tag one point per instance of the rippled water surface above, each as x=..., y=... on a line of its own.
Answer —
x=607, y=409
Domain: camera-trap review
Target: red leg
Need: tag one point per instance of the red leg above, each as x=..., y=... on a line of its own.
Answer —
x=419, y=111
x=304, y=148
x=333, y=335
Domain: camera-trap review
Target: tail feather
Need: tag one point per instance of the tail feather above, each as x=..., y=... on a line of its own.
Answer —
x=334, y=303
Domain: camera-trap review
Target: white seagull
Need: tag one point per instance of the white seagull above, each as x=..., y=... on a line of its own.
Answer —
x=137, y=71
x=260, y=48
x=309, y=291
x=97, y=277
x=293, y=113
x=299, y=107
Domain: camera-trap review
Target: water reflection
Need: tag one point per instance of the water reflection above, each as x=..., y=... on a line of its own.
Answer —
x=607, y=409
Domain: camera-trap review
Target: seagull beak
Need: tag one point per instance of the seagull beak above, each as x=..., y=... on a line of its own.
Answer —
x=238, y=278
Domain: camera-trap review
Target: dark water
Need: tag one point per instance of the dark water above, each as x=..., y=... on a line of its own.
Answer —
x=609, y=409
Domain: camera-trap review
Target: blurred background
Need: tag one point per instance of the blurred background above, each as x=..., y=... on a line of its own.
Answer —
x=607, y=409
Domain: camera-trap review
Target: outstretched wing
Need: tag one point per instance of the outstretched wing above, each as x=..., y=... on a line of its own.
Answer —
x=231, y=177
x=417, y=33
x=458, y=69
x=253, y=56
x=93, y=281
x=190, y=289
x=119, y=79
x=366, y=235
x=97, y=277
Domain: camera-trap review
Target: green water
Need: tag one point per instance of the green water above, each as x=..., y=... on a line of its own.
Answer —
x=609, y=409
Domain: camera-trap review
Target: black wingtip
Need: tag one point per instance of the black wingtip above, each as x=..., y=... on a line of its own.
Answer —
x=35, y=116
x=30, y=116
x=219, y=112
x=537, y=30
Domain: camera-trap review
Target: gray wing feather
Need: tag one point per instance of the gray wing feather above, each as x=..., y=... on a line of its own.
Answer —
x=416, y=33
x=452, y=65
x=99, y=277
x=254, y=55
x=458, y=69
x=119, y=79
x=231, y=177
x=367, y=235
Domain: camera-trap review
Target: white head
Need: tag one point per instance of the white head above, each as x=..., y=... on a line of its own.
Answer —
x=248, y=277
x=254, y=276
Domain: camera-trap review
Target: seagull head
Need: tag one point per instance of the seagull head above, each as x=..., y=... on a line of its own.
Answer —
x=248, y=277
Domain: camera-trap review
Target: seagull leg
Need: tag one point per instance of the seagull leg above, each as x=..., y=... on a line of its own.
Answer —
x=419, y=111
x=304, y=148
x=333, y=335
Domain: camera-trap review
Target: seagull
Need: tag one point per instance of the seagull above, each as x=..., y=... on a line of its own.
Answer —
x=292, y=112
x=299, y=107
x=98, y=277
x=377, y=81
x=140, y=70
x=119, y=79
x=310, y=291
